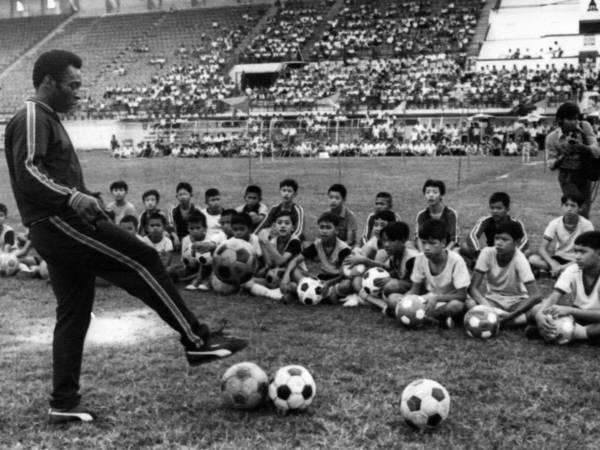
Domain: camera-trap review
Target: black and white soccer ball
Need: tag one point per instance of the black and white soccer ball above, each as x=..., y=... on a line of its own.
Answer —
x=565, y=326
x=356, y=270
x=234, y=262
x=369, y=278
x=292, y=389
x=310, y=291
x=244, y=386
x=410, y=310
x=481, y=321
x=425, y=404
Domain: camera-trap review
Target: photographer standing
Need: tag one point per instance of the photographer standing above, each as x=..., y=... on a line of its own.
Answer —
x=574, y=151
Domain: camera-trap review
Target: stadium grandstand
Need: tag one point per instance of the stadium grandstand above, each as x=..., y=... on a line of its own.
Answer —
x=181, y=71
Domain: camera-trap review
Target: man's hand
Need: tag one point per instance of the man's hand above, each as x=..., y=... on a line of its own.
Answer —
x=88, y=207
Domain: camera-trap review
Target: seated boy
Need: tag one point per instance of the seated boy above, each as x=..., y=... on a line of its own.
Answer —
x=330, y=252
x=155, y=237
x=507, y=275
x=434, y=191
x=383, y=202
x=213, y=211
x=439, y=275
x=280, y=250
x=120, y=206
x=487, y=226
x=253, y=205
x=578, y=291
x=7, y=234
x=337, y=202
x=150, y=199
x=562, y=231
x=179, y=214
x=288, y=189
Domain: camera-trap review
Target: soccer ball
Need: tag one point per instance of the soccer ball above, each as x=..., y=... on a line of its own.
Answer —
x=481, y=321
x=193, y=259
x=274, y=276
x=565, y=327
x=222, y=288
x=369, y=277
x=353, y=271
x=9, y=264
x=234, y=262
x=410, y=311
x=425, y=403
x=205, y=259
x=292, y=388
x=310, y=291
x=244, y=386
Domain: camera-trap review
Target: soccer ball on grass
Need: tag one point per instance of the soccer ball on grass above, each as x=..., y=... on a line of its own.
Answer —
x=410, y=311
x=292, y=388
x=234, y=262
x=369, y=278
x=274, y=276
x=481, y=321
x=310, y=291
x=244, y=386
x=425, y=404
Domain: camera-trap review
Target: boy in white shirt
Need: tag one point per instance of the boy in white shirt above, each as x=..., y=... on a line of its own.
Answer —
x=580, y=284
x=563, y=231
x=155, y=237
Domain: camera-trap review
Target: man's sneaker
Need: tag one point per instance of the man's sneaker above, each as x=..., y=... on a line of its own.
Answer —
x=76, y=414
x=217, y=346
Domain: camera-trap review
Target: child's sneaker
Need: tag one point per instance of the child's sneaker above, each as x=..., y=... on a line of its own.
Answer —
x=192, y=287
x=203, y=287
x=76, y=414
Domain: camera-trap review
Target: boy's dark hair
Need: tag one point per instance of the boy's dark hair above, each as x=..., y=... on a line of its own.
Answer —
x=288, y=182
x=434, y=229
x=567, y=110
x=589, y=239
x=242, y=219
x=339, y=188
x=500, y=197
x=212, y=192
x=157, y=216
x=282, y=213
x=329, y=217
x=185, y=186
x=573, y=196
x=229, y=212
x=386, y=215
x=55, y=64
x=3, y=209
x=436, y=184
x=513, y=229
x=254, y=189
x=385, y=195
x=119, y=185
x=149, y=193
x=396, y=231
x=130, y=219
x=197, y=217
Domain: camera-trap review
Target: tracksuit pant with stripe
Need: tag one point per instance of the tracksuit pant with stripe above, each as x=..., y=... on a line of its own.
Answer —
x=77, y=252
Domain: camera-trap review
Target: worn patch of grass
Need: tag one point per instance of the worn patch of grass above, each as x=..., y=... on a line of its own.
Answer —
x=506, y=393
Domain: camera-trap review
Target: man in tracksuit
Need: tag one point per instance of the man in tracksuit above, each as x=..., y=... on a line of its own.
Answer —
x=70, y=230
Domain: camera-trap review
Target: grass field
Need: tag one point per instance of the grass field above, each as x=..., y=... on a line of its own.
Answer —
x=506, y=393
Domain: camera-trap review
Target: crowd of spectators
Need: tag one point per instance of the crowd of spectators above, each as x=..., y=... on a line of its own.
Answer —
x=390, y=28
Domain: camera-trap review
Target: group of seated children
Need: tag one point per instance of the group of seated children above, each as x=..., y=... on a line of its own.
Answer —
x=435, y=265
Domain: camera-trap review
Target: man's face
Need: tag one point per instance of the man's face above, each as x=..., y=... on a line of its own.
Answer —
x=183, y=197
x=251, y=199
x=504, y=244
x=335, y=199
x=155, y=227
x=283, y=226
x=432, y=195
x=241, y=231
x=287, y=194
x=197, y=231
x=64, y=93
x=150, y=202
x=585, y=257
x=327, y=231
x=381, y=204
x=118, y=194
x=432, y=248
x=498, y=210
